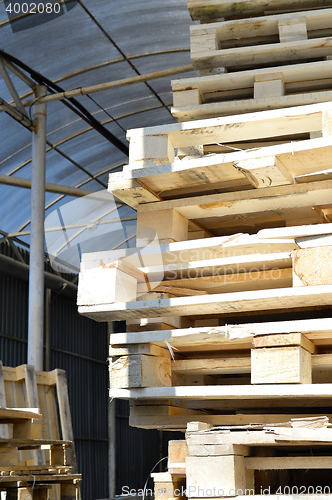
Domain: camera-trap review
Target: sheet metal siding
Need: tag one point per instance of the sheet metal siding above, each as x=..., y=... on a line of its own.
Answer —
x=138, y=451
x=13, y=319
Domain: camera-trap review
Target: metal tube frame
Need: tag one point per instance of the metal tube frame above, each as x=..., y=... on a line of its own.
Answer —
x=36, y=273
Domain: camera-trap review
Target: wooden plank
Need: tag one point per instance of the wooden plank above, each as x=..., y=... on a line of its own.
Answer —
x=257, y=300
x=242, y=104
x=28, y=373
x=218, y=450
x=288, y=339
x=65, y=416
x=319, y=328
x=221, y=266
x=179, y=291
x=264, y=26
x=212, y=366
x=315, y=241
x=280, y=365
x=180, y=422
x=226, y=204
x=275, y=278
x=158, y=258
x=233, y=392
x=212, y=9
x=244, y=127
x=298, y=78
x=4, y=430
x=261, y=438
x=150, y=349
x=322, y=362
x=281, y=463
x=13, y=414
x=45, y=478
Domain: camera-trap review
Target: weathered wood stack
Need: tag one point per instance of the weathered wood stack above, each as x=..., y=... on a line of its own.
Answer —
x=35, y=463
x=227, y=296
x=256, y=55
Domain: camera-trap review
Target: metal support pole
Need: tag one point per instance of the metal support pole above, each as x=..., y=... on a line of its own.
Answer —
x=112, y=438
x=48, y=294
x=36, y=274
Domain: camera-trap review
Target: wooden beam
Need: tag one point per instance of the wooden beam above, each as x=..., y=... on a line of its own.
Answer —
x=275, y=278
x=223, y=303
x=222, y=205
x=282, y=463
x=276, y=392
x=212, y=9
x=240, y=127
x=212, y=366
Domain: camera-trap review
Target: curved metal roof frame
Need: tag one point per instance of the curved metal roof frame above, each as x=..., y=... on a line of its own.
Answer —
x=94, y=42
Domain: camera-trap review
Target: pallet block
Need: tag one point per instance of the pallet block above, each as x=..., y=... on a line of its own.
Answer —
x=222, y=475
x=280, y=365
x=104, y=284
x=30, y=493
x=140, y=371
x=166, y=225
x=177, y=453
x=312, y=266
x=148, y=324
x=167, y=485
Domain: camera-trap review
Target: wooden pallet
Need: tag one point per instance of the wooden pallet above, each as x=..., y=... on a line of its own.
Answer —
x=22, y=387
x=235, y=461
x=224, y=94
x=38, y=487
x=154, y=172
x=42, y=452
x=248, y=279
x=206, y=10
x=263, y=41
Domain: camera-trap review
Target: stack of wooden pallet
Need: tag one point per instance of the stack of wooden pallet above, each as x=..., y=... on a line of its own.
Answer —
x=35, y=464
x=256, y=55
x=215, y=313
x=291, y=459
x=227, y=296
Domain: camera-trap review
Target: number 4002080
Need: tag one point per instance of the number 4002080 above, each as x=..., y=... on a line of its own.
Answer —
x=34, y=8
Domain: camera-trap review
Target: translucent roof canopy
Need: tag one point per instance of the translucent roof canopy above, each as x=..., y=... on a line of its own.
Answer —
x=94, y=41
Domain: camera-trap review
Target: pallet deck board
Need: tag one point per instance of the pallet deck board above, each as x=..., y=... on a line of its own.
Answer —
x=299, y=158
x=212, y=9
x=213, y=304
x=231, y=392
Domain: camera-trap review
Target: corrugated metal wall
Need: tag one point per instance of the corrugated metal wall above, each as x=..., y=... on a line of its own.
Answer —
x=80, y=346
